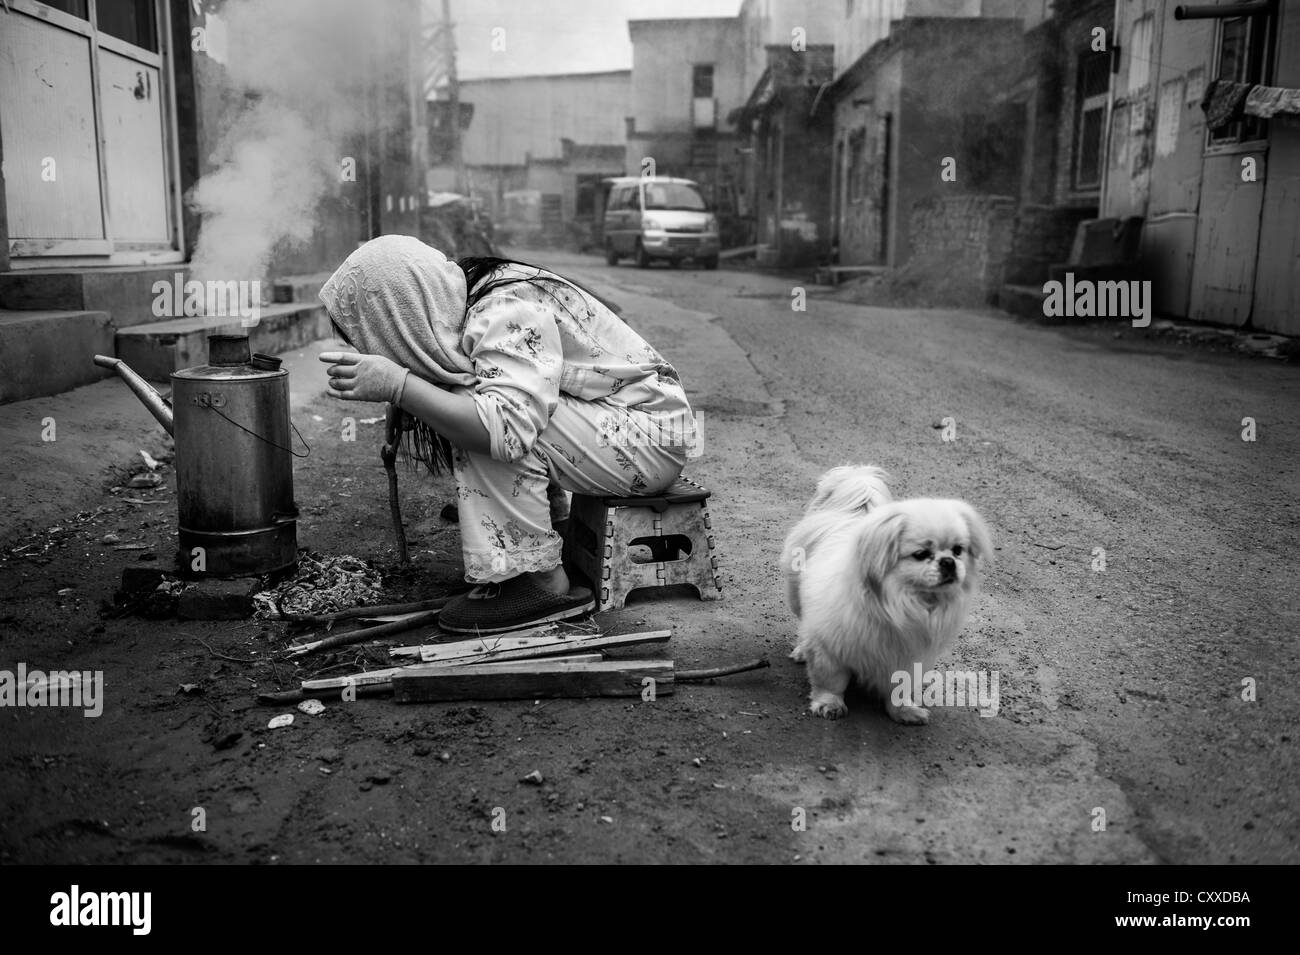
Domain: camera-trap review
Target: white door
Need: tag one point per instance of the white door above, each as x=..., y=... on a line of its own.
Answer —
x=85, y=122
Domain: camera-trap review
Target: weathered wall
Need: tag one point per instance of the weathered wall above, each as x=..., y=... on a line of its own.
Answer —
x=1277, y=278
x=1217, y=248
x=664, y=53
x=1038, y=89
x=765, y=23
x=526, y=116
x=965, y=239
x=1041, y=238
x=934, y=79
x=866, y=108
x=793, y=158
x=857, y=25
x=1073, y=42
x=4, y=216
x=947, y=86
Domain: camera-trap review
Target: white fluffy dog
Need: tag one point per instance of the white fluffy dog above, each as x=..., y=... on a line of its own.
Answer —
x=878, y=586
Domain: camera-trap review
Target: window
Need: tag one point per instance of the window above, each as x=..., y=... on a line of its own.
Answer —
x=673, y=195
x=1139, y=57
x=129, y=20
x=77, y=8
x=1090, y=95
x=1243, y=58
x=702, y=81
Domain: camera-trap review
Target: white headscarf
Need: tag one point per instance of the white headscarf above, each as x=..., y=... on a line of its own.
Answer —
x=397, y=297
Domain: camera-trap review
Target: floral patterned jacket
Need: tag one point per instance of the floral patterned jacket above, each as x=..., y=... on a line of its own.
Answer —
x=531, y=342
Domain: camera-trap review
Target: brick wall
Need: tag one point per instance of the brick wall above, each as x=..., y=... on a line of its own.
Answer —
x=1041, y=237
x=968, y=238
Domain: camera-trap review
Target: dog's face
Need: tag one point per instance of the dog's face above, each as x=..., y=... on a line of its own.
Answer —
x=931, y=548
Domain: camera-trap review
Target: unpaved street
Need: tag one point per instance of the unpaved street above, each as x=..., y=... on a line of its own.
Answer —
x=1121, y=689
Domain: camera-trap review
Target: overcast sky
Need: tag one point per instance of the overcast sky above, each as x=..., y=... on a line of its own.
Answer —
x=557, y=36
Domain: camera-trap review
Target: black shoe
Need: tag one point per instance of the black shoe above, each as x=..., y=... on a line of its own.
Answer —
x=512, y=604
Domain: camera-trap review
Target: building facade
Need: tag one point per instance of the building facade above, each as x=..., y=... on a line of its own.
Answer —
x=791, y=155
x=914, y=122
x=537, y=148
x=687, y=77
x=128, y=127
x=1221, y=236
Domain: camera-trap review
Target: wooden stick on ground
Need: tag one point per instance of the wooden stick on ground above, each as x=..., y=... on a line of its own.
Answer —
x=365, y=633
x=361, y=613
x=695, y=676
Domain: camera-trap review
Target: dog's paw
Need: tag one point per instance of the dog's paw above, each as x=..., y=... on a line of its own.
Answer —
x=909, y=715
x=798, y=654
x=828, y=706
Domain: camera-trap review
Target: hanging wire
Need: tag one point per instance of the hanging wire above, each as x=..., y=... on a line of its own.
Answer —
x=268, y=440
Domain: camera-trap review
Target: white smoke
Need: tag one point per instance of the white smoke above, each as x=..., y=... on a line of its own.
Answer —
x=301, y=71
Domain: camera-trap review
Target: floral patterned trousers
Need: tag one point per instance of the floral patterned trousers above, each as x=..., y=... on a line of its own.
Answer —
x=589, y=447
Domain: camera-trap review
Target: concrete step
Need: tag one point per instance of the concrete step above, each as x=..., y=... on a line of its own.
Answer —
x=1023, y=300
x=1109, y=272
x=48, y=351
x=299, y=288
x=156, y=349
x=125, y=292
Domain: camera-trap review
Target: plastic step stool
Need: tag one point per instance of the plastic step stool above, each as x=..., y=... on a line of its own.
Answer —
x=673, y=525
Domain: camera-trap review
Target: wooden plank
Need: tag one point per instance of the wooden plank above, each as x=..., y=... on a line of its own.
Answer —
x=536, y=679
x=571, y=658
x=523, y=645
x=560, y=645
x=369, y=678
x=415, y=650
x=375, y=677
x=486, y=646
x=471, y=649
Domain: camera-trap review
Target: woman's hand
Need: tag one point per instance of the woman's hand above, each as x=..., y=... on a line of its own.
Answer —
x=356, y=377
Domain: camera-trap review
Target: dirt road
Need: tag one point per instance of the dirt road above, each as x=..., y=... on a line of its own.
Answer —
x=1120, y=689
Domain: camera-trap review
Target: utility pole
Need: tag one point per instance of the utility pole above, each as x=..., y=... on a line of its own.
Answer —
x=453, y=94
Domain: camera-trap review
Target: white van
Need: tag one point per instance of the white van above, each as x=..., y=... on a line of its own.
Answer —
x=656, y=217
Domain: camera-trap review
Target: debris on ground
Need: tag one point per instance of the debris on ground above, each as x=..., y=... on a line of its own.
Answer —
x=321, y=585
x=147, y=593
x=35, y=546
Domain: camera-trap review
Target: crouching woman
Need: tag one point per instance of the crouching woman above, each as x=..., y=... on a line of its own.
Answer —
x=521, y=381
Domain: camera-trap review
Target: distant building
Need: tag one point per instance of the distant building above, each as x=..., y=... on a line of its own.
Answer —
x=915, y=126
x=1061, y=84
x=791, y=155
x=687, y=76
x=1221, y=237
x=537, y=148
